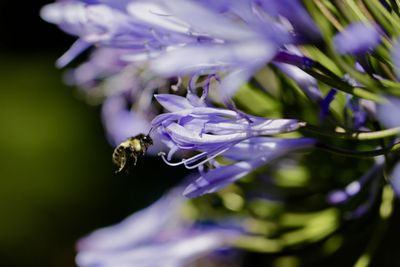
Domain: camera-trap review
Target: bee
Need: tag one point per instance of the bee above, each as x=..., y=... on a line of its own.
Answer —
x=130, y=149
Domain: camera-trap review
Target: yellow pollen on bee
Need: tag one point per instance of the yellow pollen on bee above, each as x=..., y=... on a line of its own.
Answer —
x=136, y=145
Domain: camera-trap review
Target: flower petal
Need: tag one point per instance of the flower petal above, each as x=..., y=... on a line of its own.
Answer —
x=173, y=103
x=207, y=58
x=139, y=227
x=256, y=154
x=204, y=20
x=388, y=113
x=358, y=38
x=220, y=177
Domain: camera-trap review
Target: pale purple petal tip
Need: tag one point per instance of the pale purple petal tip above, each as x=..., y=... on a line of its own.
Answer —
x=389, y=113
x=173, y=103
x=395, y=180
x=358, y=38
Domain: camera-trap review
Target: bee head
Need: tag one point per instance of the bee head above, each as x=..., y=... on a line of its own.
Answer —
x=147, y=139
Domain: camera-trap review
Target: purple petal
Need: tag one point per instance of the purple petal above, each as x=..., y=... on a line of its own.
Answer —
x=176, y=252
x=204, y=20
x=70, y=16
x=155, y=237
x=173, y=103
x=121, y=123
x=326, y=102
x=193, y=112
x=232, y=82
x=358, y=38
x=259, y=146
x=395, y=179
x=389, y=113
x=155, y=15
x=255, y=150
x=136, y=229
x=220, y=177
x=293, y=11
x=185, y=138
x=75, y=50
x=206, y=58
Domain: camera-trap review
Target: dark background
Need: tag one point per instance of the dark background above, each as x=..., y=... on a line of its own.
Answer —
x=57, y=181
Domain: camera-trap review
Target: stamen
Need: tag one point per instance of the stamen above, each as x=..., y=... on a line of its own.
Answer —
x=162, y=155
x=175, y=87
x=209, y=156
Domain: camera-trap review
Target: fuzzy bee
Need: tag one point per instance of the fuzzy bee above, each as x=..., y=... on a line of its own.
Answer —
x=130, y=149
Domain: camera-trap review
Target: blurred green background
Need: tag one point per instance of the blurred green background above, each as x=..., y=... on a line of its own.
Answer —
x=57, y=180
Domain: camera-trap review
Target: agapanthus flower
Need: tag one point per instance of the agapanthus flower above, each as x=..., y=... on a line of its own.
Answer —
x=395, y=179
x=179, y=37
x=356, y=115
x=388, y=112
x=124, y=90
x=357, y=39
x=102, y=65
x=213, y=132
x=345, y=62
x=121, y=122
x=158, y=236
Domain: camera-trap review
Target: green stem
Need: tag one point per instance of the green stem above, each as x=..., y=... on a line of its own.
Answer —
x=395, y=7
x=358, y=154
x=343, y=86
x=345, y=10
x=364, y=79
x=356, y=9
x=382, y=16
x=353, y=135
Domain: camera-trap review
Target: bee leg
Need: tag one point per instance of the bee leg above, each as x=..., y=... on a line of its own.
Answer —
x=122, y=164
x=134, y=159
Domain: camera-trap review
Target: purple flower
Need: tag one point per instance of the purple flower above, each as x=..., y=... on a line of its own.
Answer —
x=180, y=37
x=388, y=113
x=357, y=39
x=93, y=23
x=358, y=115
x=126, y=95
x=121, y=123
x=103, y=64
x=226, y=132
x=395, y=179
x=292, y=10
x=248, y=156
x=157, y=236
x=326, y=102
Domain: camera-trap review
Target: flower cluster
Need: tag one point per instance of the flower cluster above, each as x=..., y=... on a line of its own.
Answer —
x=271, y=103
